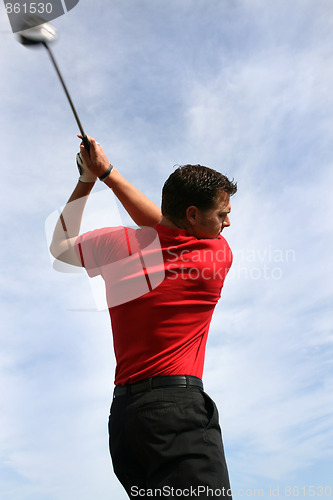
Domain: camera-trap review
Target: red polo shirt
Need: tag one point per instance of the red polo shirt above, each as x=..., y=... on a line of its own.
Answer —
x=162, y=285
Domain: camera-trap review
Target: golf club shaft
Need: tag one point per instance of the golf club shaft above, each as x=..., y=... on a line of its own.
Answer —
x=84, y=137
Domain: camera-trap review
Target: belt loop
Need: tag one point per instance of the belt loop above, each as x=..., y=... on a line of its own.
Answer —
x=128, y=390
x=187, y=382
x=150, y=384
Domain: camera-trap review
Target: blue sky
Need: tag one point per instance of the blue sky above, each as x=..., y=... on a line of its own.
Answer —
x=244, y=87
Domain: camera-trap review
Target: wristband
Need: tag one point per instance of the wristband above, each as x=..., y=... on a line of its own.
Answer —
x=107, y=173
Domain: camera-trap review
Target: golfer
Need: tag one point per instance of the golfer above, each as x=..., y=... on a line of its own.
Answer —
x=163, y=281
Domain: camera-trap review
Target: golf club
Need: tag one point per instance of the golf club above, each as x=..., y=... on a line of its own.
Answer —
x=43, y=34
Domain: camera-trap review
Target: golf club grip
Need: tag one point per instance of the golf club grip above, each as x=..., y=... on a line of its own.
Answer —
x=86, y=143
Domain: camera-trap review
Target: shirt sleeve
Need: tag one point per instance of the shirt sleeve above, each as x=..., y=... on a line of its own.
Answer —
x=96, y=249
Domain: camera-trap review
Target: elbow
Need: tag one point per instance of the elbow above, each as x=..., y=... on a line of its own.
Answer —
x=55, y=250
x=64, y=251
x=52, y=250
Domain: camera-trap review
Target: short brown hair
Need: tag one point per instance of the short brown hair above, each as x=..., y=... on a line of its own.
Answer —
x=193, y=185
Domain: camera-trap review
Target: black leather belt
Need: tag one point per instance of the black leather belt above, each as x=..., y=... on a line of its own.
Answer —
x=158, y=382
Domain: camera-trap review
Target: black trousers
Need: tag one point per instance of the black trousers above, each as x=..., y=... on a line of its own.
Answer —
x=167, y=443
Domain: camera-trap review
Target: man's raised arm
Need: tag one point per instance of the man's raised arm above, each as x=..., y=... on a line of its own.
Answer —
x=68, y=226
x=140, y=208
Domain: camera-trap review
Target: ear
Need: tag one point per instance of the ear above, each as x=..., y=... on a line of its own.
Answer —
x=192, y=215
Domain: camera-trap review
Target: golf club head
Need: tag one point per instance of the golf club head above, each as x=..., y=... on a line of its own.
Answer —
x=33, y=34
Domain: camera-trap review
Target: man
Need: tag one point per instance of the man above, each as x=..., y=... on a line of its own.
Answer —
x=165, y=438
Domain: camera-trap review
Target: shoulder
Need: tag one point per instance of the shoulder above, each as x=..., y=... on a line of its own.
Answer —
x=220, y=244
x=118, y=241
x=214, y=250
x=99, y=236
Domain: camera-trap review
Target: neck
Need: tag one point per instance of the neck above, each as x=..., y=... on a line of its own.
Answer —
x=166, y=221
